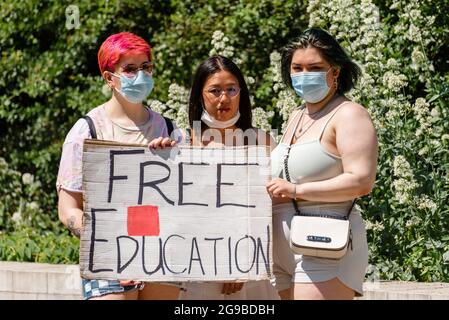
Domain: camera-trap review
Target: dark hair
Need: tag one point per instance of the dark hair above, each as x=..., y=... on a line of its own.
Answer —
x=330, y=49
x=213, y=65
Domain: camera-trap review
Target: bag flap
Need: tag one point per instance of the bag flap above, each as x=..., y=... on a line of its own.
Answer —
x=319, y=233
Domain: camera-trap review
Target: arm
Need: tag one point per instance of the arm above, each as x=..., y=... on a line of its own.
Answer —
x=356, y=142
x=70, y=210
x=68, y=184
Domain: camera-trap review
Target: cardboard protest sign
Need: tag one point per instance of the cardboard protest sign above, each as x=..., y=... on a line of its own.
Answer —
x=177, y=214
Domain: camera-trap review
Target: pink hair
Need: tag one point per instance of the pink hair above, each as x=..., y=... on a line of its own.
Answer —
x=116, y=45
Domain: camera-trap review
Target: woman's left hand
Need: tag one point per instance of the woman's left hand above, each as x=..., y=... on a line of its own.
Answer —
x=280, y=188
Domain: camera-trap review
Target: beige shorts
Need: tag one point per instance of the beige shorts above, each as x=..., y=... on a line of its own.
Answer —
x=289, y=267
x=252, y=290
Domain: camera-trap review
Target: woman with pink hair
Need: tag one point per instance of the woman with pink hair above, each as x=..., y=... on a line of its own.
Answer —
x=125, y=64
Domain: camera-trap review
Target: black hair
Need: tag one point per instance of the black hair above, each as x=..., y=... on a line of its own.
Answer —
x=331, y=51
x=208, y=67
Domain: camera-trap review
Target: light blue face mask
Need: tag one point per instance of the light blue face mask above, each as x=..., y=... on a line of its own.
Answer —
x=137, y=88
x=311, y=86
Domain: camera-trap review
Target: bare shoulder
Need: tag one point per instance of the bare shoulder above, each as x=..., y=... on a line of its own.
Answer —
x=294, y=113
x=354, y=119
x=351, y=111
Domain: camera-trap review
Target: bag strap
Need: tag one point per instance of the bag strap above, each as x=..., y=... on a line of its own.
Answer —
x=90, y=123
x=287, y=176
x=297, y=116
x=350, y=208
x=169, y=125
x=93, y=132
x=330, y=118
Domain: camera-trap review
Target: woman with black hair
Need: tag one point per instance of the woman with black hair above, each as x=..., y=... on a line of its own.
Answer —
x=220, y=115
x=326, y=159
x=220, y=107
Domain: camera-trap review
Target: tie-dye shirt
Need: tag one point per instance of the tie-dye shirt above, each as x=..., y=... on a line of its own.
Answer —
x=70, y=167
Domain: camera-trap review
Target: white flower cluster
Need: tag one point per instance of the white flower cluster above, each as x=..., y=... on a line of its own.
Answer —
x=394, y=82
x=396, y=107
x=418, y=58
x=401, y=167
x=27, y=178
x=220, y=45
x=445, y=137
x=393, y=64
x=356, y=25
x=415, y=27
x=421, y=109
x=177, y=105
x=33, y=205
x=249, y=80
x=404, y=184
x=176, y=108
x=413, y=221
x=275, y=72
x=262, y=119
x=156, y=106
x=404, y=188
x=425, y=203
x=287, y=101
x=376, y=226
x=17, y=217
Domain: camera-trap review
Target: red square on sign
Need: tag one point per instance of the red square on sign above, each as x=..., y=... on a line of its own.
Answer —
x=143, y=221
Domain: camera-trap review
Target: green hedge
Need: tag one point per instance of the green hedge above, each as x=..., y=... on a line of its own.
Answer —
x=49, y=78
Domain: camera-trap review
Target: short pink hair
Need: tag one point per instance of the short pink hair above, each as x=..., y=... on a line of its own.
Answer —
x=116, y=45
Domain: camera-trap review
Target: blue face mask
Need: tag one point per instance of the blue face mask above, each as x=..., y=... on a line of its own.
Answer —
x=137, y=88
x=311, y=86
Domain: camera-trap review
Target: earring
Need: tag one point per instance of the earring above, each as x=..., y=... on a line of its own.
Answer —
x=336, y=83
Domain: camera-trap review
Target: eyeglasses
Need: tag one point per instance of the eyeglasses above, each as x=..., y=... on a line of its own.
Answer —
x=131, y=70
x=217, y=92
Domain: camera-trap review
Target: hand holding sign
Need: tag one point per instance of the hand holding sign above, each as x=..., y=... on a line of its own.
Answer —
x=161, y=142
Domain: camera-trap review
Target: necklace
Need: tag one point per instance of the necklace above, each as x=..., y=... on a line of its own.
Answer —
x=302, y=126
x=302, y=129
x=314, y=113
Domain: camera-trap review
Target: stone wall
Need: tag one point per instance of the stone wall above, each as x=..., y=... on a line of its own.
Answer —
x=36, y=281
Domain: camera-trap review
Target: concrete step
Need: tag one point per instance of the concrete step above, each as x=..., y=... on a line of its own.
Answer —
x=403, y=290
x=38, y=281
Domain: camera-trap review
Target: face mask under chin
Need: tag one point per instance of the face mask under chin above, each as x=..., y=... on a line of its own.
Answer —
x=212, y=122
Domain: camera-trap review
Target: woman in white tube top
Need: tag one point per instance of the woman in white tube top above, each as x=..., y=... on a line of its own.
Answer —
x=332, y=161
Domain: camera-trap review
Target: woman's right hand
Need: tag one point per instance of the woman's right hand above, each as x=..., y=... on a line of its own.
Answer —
x=125, y=283
x=161, y=142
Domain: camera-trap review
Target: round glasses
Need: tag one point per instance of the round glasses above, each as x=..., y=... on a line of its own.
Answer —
x=216, y=93
x=131, y=70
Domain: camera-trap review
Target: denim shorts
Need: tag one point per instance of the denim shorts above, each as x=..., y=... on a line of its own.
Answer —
x=98, y=288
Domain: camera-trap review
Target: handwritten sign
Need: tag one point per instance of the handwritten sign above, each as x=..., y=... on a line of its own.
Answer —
x=178, y=214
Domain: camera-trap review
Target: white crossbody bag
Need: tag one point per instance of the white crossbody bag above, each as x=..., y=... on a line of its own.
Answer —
x=318, y=235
